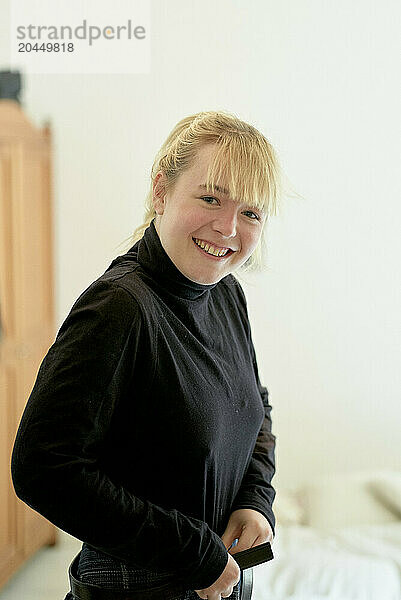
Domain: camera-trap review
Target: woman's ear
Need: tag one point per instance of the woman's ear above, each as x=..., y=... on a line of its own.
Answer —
x=159, y=193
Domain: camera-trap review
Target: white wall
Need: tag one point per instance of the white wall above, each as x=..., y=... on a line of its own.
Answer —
x=318, y=78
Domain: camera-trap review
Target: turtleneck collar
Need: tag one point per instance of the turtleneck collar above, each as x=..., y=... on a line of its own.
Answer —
x=155, y=261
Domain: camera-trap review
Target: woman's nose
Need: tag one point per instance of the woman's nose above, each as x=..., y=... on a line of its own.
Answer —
x=226, y=223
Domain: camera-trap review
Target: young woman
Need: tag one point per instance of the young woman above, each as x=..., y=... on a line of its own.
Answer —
x=147, y=434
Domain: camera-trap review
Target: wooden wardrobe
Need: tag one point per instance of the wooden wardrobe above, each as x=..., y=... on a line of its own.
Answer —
x=26, y=310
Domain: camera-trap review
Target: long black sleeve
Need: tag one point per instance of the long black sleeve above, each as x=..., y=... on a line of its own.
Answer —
x=60, y=452
x=256, y=490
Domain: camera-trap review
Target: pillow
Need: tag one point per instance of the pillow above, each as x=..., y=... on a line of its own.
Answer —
x=344, y=499
x=287, y=508
x=386, y=487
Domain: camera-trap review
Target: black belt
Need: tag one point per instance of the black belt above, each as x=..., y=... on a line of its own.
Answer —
x=167, y=591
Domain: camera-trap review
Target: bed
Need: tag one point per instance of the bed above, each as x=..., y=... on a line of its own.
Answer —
x=337, y=538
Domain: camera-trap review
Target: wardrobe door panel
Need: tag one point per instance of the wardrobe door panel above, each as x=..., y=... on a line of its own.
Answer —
x=10, y=551
x=7, y=310
x=26, y=311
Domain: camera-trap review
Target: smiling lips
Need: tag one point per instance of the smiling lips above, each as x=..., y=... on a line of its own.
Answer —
x=211, y=249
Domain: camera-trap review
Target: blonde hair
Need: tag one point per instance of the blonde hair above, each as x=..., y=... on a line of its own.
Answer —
x=245, y=162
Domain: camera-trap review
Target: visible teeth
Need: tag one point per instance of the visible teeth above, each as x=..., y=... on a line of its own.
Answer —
x=210, y=249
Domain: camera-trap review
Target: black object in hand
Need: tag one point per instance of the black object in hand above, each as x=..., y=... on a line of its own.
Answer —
x=254, y=556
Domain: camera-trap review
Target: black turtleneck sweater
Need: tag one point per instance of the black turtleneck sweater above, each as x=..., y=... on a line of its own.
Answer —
x=147, y=424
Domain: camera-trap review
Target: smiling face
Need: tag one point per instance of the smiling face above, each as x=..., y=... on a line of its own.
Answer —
x=207, y=236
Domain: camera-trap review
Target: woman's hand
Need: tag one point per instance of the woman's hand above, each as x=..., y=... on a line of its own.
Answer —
x=250, y=527
x=223, y=586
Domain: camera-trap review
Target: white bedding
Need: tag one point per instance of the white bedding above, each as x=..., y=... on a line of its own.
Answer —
x=360, y=562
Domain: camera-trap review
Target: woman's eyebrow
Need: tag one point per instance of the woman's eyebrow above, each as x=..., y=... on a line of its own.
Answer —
x=218, y=188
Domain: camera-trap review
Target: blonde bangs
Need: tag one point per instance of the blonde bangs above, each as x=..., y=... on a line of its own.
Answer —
x=248, y=170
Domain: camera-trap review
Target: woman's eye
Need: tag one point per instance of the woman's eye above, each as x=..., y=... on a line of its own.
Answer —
x=255, y=215
x=206, y=198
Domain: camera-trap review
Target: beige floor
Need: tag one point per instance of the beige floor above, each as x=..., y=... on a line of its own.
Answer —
x=45, y=575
